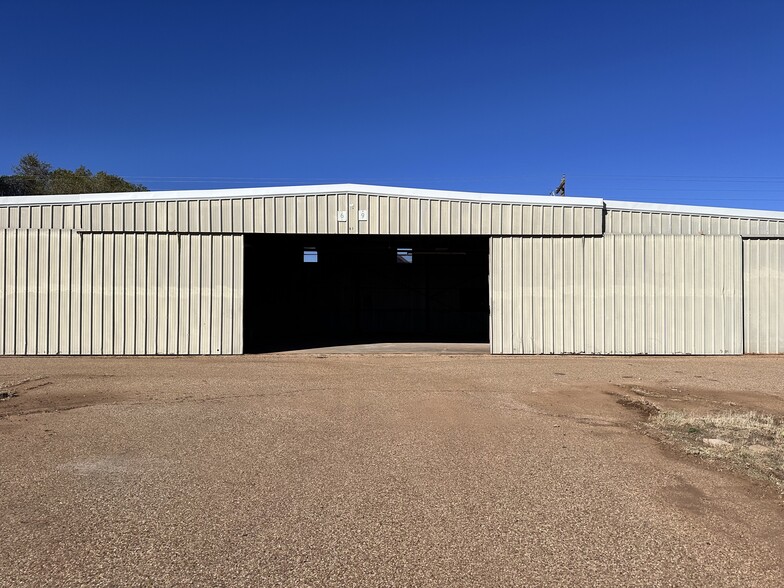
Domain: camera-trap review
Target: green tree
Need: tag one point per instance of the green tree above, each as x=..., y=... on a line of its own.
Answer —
x=32, y=176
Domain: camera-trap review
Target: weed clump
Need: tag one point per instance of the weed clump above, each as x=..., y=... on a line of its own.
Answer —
x=750, y=440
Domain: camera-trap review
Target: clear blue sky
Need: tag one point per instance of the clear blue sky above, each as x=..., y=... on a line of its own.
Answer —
x=669, y=101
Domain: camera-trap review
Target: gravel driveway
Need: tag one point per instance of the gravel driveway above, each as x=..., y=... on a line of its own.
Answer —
x=375, y=470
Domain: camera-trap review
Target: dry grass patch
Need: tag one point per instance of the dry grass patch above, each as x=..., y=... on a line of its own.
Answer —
x=750, y=440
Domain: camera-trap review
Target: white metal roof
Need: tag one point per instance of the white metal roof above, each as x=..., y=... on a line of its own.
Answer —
x=168, y=195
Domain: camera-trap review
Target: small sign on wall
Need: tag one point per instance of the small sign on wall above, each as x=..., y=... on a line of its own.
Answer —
x=342, y=216
x=363, y=215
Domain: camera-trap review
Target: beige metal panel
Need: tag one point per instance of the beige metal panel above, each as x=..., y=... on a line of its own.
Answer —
x=21, y=287
x=216, y=298
x=136, y=299
x=403, y=216
x=228, y=294
x=763, y=286
x=13, y=213
x=237, y=293
x=195, y=306
x=279, y=216
x=363, y=204
x=375, y=224
x=8, y=292
x=183, y=217
x=288, y=207
x=173, y=296
x=105, y=221
x=36, y=215
x=183, y=295
x=269, y=215
x=314, y=213
x=171, y=217
x=192, y=223
x=84, y=294
x=47, y=289
x=63, y=292
x=161, y=272
x=7, y=214
x=313, y=204
x=351, y=214
x=107, y=285
x=30, y=288
x=31, y=291
x=243, y=215
x=24, y=217
x=46, y=217
x=168, y=294
x=92, y=290
x=124, y=295
x=443, y=221
x=207, y=213
x=93, y=217
x=59, y=305
x=72, y=320
x=621, y=294
x=150, y=215
x=223, y=216
x=661, y=223
x=42, y=216
x=342, y=207
x=317, y=213
x=122, y=215
x=7, y=267
x=205, y=300
x=122, y=339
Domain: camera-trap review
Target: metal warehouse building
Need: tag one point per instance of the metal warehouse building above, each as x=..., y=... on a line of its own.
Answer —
x=248, y=270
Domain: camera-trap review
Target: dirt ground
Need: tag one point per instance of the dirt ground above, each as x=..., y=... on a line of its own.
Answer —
x=376, y=470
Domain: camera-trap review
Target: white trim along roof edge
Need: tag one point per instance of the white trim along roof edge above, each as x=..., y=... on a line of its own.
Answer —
x=173, y=195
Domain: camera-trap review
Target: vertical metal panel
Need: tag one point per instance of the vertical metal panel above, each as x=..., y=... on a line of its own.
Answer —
x=24, y=216
x=763, y=287
x=59, y=310
x=667, y=223
x=194, y=280
x=620, y=294
x=64, y=292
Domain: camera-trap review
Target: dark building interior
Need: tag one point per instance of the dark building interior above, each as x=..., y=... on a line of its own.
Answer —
x=305, y=291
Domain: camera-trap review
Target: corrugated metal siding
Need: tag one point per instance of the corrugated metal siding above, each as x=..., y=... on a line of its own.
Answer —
x=763, y=295
x=622, y=294
x=45, y=216
x=313, y=214
x=69, y=293
x=318, y=213
x=635, y=222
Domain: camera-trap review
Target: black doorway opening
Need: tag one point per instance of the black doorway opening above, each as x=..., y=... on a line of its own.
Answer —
x=324, y=290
